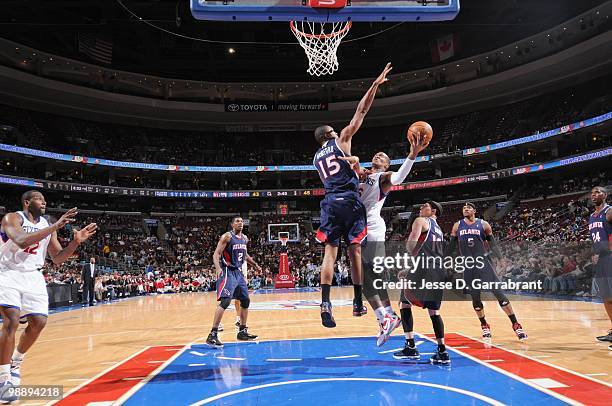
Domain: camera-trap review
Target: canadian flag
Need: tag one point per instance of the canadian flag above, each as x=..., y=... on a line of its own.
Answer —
x=444, y=48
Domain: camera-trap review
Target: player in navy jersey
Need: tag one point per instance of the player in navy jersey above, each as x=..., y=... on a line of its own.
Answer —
x=471, y=234
x=426, y=239
x=230, y=254
x=600, y=229
x=342, y=213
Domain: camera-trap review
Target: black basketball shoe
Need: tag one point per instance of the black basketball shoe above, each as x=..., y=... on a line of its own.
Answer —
x=607, y=337
x=359, y=309
x=440, y=358
x=213, y=340
x=407, y=353
x=326, y=315
x=243, y=335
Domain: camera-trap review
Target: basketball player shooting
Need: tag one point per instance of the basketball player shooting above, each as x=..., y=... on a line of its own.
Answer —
x=342, y=213
x=471, y=234
x=25, y=239
x=374, y=189
x=230, y=254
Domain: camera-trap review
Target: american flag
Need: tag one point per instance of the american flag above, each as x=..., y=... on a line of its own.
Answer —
x=97, y=46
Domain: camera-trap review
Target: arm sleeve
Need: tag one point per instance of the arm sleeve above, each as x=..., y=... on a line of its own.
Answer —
x=494, y=246
x=401, y=174
x=453, y=245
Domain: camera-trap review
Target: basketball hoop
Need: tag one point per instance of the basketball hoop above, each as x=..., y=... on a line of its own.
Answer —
x=321, y=42
x=283, y=241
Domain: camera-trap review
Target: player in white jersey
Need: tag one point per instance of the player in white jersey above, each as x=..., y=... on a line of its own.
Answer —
x=25, y=239
x=375, y=185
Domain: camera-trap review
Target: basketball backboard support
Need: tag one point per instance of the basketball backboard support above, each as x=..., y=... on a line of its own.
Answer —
x=296, y=10
x=289, y=230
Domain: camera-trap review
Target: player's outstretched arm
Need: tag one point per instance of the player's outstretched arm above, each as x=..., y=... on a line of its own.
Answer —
x=11, y=224
x=418, y=227
x=493, y=246
x=353, y=161
x=223, y=241
x=58, y=254
x=390, y=179
x=362, y=109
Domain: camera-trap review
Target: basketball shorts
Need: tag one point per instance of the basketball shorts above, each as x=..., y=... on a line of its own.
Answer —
x=231, y=284
x=423, y=297
x=374, y=244
x=485, y=274
x=26, y=291
x=342, y=217
x=602, y=282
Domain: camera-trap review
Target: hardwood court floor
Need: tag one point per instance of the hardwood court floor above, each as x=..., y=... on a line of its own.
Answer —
x=78, y=344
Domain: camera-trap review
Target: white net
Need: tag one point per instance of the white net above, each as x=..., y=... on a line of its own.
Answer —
x=320, y=41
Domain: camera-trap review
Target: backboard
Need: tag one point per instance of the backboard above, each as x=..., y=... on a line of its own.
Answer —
x=325, y=10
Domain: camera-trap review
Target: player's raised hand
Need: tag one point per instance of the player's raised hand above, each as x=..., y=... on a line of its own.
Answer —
x=68, y=217
x=382, y=78
x=417, y=144
x=85, y=233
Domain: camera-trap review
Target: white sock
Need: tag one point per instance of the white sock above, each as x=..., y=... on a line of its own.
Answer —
x=380, y=314
x=389, y=309
x=408, y=336
x=237, y=319
x=17, y=356
x=5, y=373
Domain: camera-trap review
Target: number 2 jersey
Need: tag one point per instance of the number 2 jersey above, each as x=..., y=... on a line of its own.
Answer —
x=336, y=175
x=31, y=258
x=235, y=252
x=601, y=232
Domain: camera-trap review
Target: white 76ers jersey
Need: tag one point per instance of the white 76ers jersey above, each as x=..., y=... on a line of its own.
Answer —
x=29, y=259
x=373, y=199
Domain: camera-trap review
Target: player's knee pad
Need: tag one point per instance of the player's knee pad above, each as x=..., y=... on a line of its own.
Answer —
x=245, y=303
x=225, y=302
x=501, y=298
x=478, y=305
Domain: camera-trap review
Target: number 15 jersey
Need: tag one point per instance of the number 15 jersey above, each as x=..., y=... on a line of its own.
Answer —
x=336, y=175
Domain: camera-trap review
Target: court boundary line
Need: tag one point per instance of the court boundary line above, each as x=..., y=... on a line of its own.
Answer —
x=509, y=374
x=465, y=392
x=107, y=370
x=148, y=378
x=123, y=398
x=579, y=374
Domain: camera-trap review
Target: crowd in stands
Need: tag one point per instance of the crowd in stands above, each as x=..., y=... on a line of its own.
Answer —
x=548, y=242
x=103, y=140
x=542, y=239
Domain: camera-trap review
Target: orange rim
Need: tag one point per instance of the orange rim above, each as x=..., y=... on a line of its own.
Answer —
x=319, y=36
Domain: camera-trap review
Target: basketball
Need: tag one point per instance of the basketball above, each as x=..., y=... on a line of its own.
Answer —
x=420, y=128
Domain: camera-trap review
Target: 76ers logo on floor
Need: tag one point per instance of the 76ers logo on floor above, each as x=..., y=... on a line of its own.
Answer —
x=295, y=304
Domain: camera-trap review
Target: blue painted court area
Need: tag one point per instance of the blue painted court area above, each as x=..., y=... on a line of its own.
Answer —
x=338, y=371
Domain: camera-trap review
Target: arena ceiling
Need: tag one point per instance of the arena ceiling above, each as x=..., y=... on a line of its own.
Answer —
x=159, y=46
